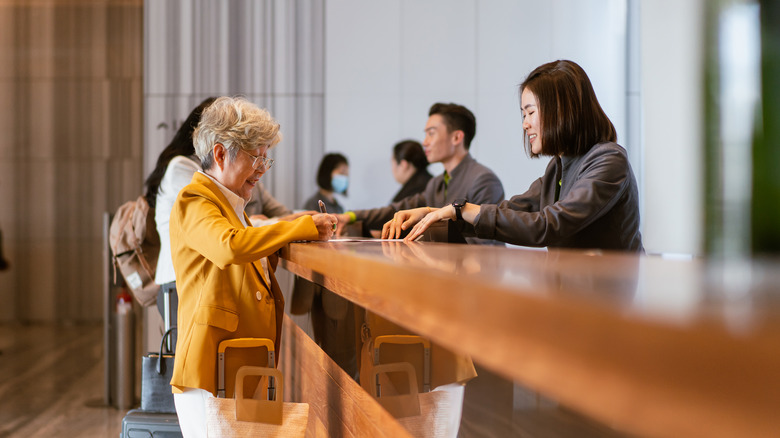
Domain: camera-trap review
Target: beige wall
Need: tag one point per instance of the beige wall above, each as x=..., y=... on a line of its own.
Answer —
x=70, y=149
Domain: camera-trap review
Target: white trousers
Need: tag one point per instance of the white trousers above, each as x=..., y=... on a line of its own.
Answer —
x=191, y=410
x=456, y=392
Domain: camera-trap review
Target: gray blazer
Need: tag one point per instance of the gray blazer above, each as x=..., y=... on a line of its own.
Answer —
x=470, y=180
x=263, y=202
x=598, y=206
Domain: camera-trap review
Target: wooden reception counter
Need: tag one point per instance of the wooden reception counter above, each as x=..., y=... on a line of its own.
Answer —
x=645, y=345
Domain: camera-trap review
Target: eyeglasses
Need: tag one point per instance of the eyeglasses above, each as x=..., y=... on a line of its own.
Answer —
x=258, y=160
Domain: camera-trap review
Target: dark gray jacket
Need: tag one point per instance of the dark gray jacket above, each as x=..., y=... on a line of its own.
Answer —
x=598, y=206
x=469, y=179
x=263, y=202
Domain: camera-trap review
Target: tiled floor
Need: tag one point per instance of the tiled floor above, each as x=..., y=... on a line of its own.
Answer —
x=51, y=383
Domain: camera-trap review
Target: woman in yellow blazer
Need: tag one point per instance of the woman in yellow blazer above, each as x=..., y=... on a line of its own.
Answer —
x=225, y=267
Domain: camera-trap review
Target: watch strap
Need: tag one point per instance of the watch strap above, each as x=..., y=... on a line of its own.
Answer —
x=458, y=206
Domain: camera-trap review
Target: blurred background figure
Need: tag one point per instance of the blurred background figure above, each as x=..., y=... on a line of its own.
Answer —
x=332, y=178
x=3, y=262
x=332, y=317
x=264, y=209
x=410, y=168
x=175, y=167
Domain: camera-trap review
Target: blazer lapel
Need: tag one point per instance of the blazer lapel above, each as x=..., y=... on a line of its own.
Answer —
x=234, y=219
x=223, y=201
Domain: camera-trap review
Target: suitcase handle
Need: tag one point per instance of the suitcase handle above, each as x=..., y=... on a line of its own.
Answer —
x=244, y=343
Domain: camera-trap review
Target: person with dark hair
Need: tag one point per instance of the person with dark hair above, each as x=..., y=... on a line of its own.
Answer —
x=175, y=166
x=180, y=146
x=332, y=177
x=587, y=197
x=448, y=135
x=410, y=168
x=332, y=317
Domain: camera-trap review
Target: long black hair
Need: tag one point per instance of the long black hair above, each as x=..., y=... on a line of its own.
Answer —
x=180, y=145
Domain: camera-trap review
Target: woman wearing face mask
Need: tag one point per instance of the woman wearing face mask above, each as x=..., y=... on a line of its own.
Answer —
x=332, y=177
x=332, y=317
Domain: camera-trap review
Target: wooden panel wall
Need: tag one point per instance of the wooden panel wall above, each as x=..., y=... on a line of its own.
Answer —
x=71, y=148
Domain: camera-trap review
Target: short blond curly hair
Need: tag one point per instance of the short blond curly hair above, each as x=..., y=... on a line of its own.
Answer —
x=235, y=123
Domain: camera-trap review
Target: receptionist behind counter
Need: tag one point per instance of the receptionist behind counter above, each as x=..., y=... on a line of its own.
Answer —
x=448, y=134
x=587, y=197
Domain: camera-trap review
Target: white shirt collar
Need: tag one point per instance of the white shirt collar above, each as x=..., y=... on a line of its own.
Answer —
x=235, y=201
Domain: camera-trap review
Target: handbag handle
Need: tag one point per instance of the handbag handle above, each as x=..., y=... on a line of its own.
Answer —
x=161, y=363
x=260, y=411
x=399, y=405
x=408, y=340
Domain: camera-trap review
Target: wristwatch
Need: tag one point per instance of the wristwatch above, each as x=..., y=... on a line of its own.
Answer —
x=458, y=205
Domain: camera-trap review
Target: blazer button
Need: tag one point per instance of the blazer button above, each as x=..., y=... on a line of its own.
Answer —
x=259, y=296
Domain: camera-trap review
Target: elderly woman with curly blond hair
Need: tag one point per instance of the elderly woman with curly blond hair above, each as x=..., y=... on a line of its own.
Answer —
x=225, y=267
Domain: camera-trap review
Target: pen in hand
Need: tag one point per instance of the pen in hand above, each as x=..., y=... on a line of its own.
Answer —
x=324, y=211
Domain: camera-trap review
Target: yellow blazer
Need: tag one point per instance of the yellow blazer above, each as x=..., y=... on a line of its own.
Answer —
x=222, y=292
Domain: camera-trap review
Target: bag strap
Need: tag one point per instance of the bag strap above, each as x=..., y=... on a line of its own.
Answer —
x=160, y=362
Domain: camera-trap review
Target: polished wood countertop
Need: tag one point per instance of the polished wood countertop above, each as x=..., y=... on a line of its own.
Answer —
x=647, y=345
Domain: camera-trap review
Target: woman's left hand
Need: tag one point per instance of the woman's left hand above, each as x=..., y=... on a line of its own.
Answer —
x=402, y=220
x=437, y=215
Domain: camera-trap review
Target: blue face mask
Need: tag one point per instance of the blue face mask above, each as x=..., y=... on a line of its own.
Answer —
x=339, y=183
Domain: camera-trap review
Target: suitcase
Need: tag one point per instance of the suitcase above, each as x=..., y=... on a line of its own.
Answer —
x=140, y=424
x=143, y=424
x=156, y=393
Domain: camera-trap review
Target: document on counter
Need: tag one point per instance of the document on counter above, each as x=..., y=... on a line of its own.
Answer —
x=363, y=239
x=349, y=239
